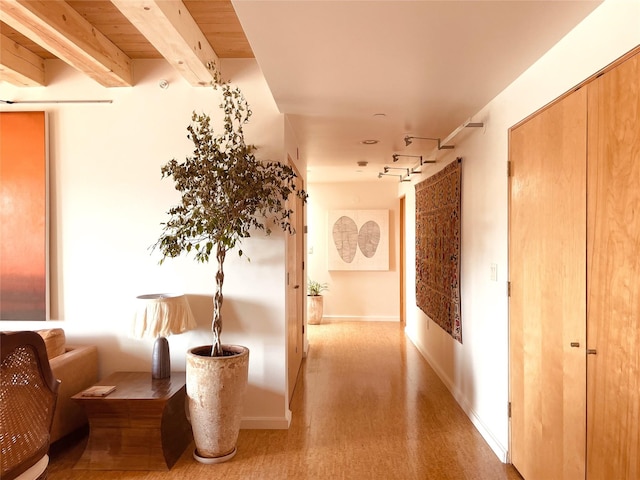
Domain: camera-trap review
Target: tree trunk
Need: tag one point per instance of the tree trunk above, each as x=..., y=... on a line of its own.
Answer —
x=216, y=326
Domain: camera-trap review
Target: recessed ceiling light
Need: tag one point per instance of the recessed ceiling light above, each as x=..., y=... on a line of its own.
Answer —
x=369, y=142
x=379, y=115
x=362, y=163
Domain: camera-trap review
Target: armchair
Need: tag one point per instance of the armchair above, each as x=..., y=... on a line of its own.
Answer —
x=28, y=394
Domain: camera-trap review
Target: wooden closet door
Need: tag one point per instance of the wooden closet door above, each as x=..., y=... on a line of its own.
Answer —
x=295, y=296
x=547, y=305
x=613, y=246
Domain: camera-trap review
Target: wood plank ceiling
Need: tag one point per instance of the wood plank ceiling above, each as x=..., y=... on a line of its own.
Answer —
x=101, y=37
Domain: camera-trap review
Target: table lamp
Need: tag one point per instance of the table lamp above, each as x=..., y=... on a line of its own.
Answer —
x=159, y=315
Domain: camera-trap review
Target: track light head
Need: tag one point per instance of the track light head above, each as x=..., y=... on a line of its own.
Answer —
x=395, y=157
x=407, y=140
x=386, y=169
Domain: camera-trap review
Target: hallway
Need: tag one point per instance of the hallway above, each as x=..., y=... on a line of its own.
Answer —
x=367, y=406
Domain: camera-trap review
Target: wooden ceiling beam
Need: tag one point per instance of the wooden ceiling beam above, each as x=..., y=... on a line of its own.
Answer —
x=171, y=29
x=58, y=28
x=20, y=66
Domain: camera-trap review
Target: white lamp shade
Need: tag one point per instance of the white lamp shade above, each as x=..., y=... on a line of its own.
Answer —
x=161, y=315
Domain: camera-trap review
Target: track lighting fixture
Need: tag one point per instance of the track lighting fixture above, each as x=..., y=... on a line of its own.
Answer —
x=398, y=155
x=402, y=178
x=415, y=169
x=409, y=139
x=386, y=169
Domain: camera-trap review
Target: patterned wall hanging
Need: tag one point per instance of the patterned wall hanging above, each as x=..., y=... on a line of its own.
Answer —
x=438, y=201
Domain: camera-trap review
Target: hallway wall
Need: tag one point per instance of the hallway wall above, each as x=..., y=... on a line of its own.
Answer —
x=476, y=371
x=354, y=295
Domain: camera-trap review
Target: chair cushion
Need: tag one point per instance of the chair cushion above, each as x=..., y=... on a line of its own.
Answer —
x=36, y=470
x=54, y=340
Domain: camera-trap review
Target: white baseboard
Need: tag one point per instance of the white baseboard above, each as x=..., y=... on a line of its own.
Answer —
x=266, y=423
x=494, y=444
x=354, y=318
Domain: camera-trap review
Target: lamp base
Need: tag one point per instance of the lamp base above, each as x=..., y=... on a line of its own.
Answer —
x=160, y=359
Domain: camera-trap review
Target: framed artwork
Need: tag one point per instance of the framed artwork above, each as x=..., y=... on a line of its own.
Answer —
x=358, y=240
x=24, y=272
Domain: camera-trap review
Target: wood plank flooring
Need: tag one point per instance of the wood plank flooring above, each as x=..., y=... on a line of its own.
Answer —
x=367, y=406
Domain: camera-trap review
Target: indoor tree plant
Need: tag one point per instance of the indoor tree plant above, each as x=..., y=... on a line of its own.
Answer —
x=315, y=304
x=226, y=195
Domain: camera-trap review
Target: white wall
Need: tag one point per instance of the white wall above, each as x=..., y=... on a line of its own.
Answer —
x=107, y=203
x=476, y=371
x=354, y=295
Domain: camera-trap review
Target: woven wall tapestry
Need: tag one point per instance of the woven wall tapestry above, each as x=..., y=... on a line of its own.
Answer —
x=438, y=248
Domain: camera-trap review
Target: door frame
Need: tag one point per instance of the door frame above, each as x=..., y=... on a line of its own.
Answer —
x=296, y=300
x=403, y=259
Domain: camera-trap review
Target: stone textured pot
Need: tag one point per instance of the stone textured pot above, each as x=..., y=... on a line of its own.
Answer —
x=315, y=308
x=215, y=391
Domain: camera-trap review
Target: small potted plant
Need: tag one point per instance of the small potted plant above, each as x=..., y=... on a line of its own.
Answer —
x=315, y=303
x=226, y=195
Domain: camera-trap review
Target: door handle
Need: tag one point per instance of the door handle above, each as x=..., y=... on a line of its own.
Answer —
x=591, y=351
x=575, y=344
x=296, y=286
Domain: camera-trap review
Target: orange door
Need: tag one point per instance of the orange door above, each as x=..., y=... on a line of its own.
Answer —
x=547, y=250
x=613, y=243
x=295, y=290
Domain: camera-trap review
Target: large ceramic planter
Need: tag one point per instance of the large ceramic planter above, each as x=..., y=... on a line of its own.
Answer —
x=215, y=391
x=315, y=308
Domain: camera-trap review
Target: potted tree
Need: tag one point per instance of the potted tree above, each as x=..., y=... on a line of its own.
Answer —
x=315, y=303
x=226, y=195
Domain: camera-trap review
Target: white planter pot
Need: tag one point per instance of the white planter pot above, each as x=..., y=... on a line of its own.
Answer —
x=215, y=391
x=315, y=308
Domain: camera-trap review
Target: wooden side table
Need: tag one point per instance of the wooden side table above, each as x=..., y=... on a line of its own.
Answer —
x=141, y=425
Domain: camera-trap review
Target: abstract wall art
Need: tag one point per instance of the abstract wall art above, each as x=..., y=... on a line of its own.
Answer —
x=438, y=211
x=358, y=240
x=23, y=217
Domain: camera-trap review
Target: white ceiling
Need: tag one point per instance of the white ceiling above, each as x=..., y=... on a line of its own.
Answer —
x=427, y=65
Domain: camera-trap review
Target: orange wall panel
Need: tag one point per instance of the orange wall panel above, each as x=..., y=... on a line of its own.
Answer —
x=23, y=216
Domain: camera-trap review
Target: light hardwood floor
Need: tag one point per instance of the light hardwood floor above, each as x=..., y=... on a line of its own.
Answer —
x=367, y=406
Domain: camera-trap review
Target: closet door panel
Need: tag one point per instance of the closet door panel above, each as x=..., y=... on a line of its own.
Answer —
x=547, y=305
x=613, y=246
